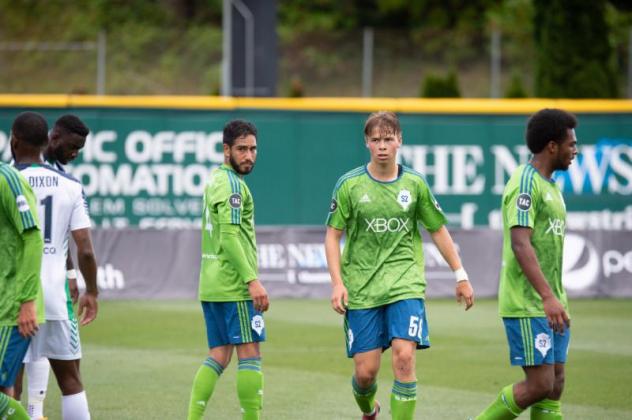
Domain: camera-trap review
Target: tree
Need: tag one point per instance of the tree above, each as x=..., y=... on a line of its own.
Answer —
x=574, y=58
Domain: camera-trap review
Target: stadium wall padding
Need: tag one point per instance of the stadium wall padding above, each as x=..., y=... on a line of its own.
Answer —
x=164, y=264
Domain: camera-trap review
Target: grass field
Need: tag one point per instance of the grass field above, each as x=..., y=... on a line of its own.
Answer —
x=140, y=358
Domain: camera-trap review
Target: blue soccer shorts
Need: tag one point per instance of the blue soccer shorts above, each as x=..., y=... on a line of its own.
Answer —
x=532, y=342
x=233, y=323
x=374, y=328
x=12, y=350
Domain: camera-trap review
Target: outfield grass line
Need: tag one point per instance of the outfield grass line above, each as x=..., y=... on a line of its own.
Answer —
x=140, y=359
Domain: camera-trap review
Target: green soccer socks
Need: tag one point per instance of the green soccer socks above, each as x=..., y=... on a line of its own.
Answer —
x=365, y=397
x=250, y=387
x=546, y=410
x=11, y=409
x=203, y=386
x=503, y=408
x=403, y=400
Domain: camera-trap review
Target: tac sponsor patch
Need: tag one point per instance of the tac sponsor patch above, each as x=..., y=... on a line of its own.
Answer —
x=523, y=202
x=333, y=206
x=23, y=205
x=235, y=201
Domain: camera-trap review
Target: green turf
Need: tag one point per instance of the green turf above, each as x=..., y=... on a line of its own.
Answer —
x=140, y=358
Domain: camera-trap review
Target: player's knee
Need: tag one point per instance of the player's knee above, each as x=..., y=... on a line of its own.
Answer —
x=17, y=391
x=221, y=356
x=404, y=360
x=223, y=360
x=365, y=375
x=365, y=379
x=540, y=388
x=70, y=385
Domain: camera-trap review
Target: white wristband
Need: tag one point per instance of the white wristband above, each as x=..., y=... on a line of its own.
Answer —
x=71, y=274
x=460, y=275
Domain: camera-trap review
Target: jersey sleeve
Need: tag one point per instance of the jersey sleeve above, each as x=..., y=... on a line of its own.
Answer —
x=80, y=219
x=429, y=212
x=228, y=198
x=519, y=202
x=339, y=208
x=18, y=200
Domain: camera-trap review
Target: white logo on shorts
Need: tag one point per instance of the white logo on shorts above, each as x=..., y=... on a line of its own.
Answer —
x=543, y=343
x=257, y=324
x=350, y=338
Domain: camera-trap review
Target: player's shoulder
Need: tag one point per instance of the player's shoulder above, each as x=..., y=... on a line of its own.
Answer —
x=46, y=169
x=519, y=177
x=6, y=172
x=225, y=181
x=10, y=177
x=55, y=164
x=350, y=176
x=413, y=175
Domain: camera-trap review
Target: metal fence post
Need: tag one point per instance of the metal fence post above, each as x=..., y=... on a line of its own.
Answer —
x=101, y=54
x=367, y=61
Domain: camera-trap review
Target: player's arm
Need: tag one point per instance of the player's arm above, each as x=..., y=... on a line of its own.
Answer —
x=442, y=239
x=71, y=276
x=339, y=295
x=526, y=257
x=20, y=207
x=28, y=281
x=230, y=243
x=86, y=259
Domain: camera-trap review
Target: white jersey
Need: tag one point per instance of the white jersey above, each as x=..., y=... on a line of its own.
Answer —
x=61, y=209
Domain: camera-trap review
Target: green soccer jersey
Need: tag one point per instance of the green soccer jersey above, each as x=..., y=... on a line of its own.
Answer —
x=18, y=214
x=383, y=260
x=228, y=207
x=532, y=201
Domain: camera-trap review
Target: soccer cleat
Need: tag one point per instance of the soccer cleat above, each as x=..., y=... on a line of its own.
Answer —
x=372, y=416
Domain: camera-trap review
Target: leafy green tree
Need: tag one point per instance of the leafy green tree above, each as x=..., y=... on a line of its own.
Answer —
x=436, y=86
x=573, y=56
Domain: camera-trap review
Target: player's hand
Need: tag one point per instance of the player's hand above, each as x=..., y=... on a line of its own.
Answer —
x=88, y=308
x=555, y=314
x=27, y=319
x=259, y=295
x=73, y=289
x=465, y=293
x=340, y=298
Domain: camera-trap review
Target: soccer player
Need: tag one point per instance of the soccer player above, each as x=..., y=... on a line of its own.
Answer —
x=65, y=141
x=62, y=211
x=379, y=283
x=21, y=304
x=232, y=297
x=531, y=298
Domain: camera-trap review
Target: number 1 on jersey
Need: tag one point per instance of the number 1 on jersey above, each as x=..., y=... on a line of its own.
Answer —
x=47, y=202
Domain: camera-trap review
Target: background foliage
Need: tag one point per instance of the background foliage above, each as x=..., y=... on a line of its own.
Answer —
x=174, y=46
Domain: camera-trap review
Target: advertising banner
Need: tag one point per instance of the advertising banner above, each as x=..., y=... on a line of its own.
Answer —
x=154, y=264
x=146, y=168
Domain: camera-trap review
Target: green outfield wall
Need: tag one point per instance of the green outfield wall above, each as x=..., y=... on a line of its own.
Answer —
x=147, y=157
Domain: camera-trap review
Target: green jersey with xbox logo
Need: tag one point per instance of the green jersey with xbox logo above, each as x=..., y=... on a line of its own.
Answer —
x=383, y=261
x=533, y=201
